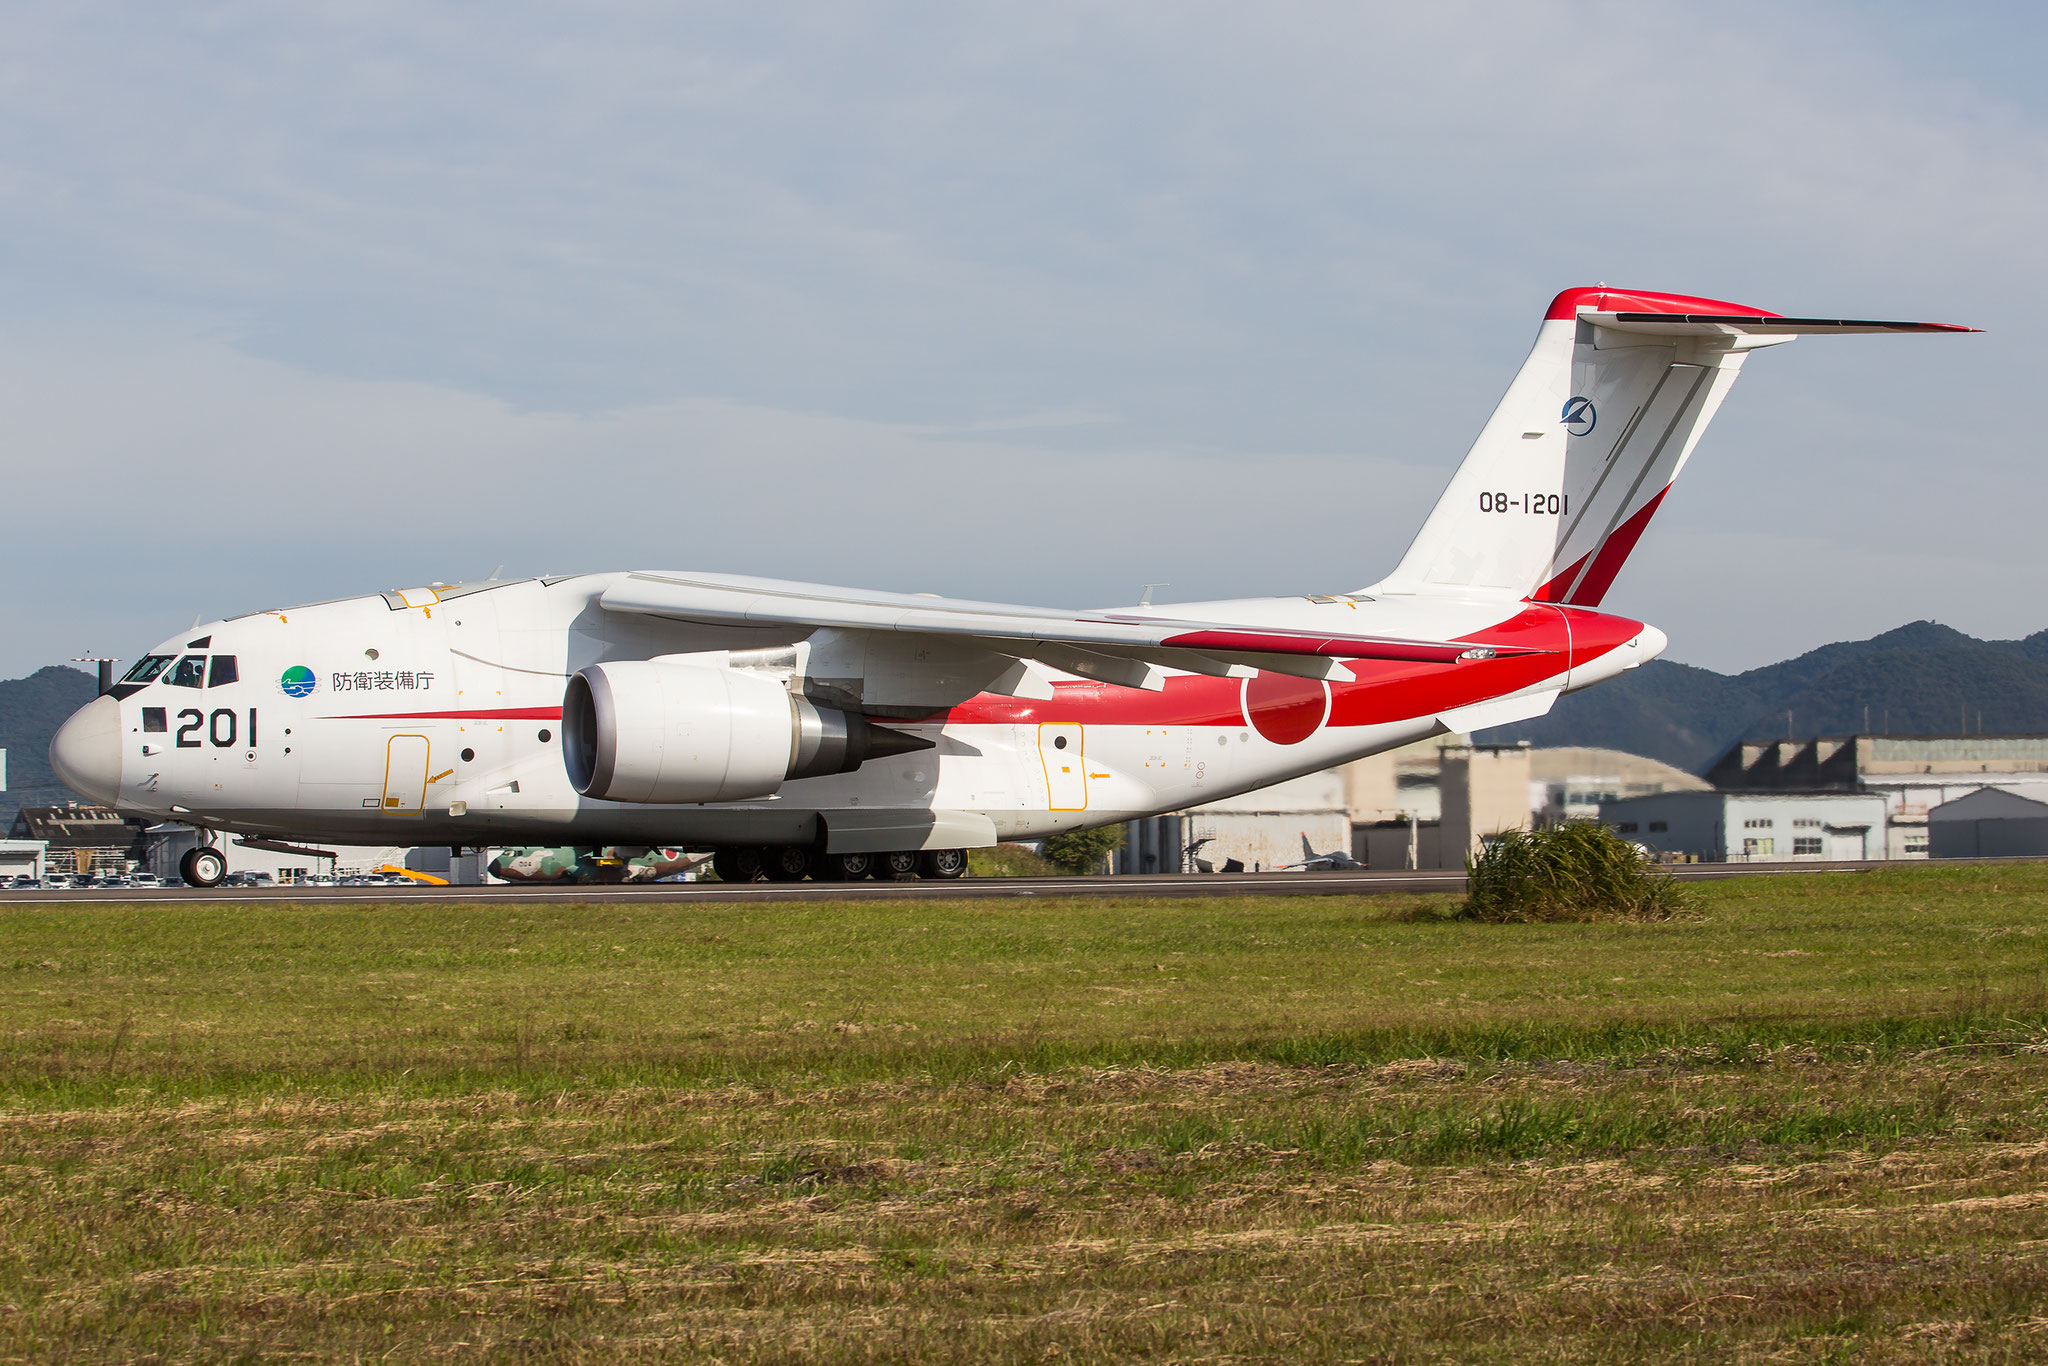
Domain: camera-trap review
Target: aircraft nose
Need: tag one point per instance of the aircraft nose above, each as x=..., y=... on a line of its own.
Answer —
x=86, y=751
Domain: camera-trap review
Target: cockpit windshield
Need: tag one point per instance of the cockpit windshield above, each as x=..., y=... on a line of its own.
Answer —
x=146, y=669
x=189, y=672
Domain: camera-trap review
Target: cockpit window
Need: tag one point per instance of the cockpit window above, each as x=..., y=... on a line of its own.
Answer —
x=189, y=672
x=221, y=671
x=146, y=669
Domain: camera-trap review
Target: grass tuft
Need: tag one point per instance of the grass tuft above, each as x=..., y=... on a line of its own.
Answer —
x=1580, y=870
x=1007, y=860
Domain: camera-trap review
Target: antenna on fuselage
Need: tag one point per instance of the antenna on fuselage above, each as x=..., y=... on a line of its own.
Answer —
x=106, y=670
x=1145, y=598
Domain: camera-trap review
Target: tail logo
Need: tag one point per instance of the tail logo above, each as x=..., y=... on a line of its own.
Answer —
x=1579, y=416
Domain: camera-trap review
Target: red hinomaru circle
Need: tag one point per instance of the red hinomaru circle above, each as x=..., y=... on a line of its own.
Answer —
x=1286, y=709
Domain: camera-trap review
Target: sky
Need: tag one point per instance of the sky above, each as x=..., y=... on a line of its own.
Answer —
x=1035, y=303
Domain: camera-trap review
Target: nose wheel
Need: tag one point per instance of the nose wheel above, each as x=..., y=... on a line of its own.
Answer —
x=203, y=867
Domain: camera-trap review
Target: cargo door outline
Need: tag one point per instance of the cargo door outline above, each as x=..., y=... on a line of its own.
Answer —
x=405, y=775
x=1066, y=777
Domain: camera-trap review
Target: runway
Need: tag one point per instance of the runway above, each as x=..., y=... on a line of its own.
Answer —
x=1143, y=887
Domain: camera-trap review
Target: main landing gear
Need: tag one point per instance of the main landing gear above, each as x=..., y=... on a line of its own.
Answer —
x=795, y=862
x=203, y=867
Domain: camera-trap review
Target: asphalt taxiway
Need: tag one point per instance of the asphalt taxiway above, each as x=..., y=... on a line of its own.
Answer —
x=1144, y=886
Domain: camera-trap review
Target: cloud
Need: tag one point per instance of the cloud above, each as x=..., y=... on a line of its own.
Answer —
x=336, y=295
x=219, y=484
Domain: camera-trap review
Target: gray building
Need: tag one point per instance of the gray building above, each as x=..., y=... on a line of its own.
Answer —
x=1753, y=827
x=1988, y=823
x=1916, y=773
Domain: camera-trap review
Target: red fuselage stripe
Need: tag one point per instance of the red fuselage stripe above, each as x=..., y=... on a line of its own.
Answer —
x=1378, y=692
x=1546, y=641
x=479, y=714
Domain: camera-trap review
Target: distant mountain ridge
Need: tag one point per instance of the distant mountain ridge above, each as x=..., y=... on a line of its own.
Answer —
x=1921, y=679
x=31, y=709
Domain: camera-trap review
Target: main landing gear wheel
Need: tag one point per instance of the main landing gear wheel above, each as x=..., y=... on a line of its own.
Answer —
x=896, y=867
x=203, y=867
x=786, y=862
x=844, y=867
x=737, y=863
x=942, y=863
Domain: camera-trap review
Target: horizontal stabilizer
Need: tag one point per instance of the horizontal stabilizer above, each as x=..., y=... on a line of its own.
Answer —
x=1749, y=325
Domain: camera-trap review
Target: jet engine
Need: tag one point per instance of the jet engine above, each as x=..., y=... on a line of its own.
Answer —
x=664, y=731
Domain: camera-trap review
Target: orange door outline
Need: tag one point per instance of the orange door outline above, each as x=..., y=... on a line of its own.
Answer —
x=399, y=762
x=1066, y=773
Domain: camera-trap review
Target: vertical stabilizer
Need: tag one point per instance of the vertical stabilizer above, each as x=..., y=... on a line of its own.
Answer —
x=1577, y=456
x=1587, y=441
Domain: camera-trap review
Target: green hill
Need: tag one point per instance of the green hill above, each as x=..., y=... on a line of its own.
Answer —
x=31, y=709
x=1921, y=679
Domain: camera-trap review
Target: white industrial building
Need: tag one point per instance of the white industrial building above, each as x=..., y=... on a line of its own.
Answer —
x=1429, y=805
x=1426, y=805
x=1753, y=827
x=23, y=858
x=19, y=858
x=1572, y=782
x=1260, y=831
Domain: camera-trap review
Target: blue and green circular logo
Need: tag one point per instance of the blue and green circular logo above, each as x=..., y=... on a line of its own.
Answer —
x=298, y=680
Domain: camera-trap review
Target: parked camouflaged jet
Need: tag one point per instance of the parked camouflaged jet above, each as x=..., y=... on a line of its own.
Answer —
x=797, y=729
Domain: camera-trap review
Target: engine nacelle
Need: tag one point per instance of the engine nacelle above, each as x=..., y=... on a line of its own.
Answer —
x=660, y=731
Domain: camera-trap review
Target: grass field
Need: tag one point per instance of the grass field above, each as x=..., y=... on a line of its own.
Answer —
x=1808, y=1124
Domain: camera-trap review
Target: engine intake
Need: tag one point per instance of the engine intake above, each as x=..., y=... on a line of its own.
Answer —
x=659, y=731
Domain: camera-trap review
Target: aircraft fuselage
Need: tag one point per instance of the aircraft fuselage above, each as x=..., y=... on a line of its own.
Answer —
x=434, y=716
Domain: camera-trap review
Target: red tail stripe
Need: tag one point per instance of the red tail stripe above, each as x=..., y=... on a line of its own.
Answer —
x=1611, y=555
x=1555, y=590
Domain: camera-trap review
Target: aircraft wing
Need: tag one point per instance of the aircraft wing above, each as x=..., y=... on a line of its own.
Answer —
x=1128, y=648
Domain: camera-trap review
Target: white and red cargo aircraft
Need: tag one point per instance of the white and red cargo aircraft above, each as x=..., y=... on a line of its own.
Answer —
x=798, y=729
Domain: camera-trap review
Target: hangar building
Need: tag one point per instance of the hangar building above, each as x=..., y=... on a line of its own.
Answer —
x=1988, y=823
x=1753, y=827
